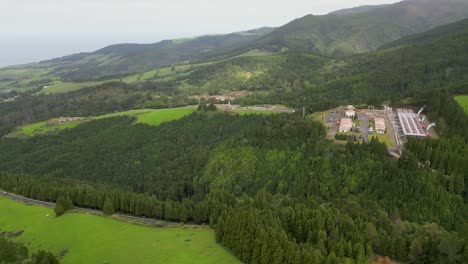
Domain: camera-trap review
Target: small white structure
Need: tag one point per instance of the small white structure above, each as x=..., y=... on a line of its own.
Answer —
x=380, y=126
x=429, y=127
x=350, y=113
x=345, y=125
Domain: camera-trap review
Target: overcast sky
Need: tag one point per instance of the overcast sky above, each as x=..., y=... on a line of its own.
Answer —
x=139, y=17
x=34, y=30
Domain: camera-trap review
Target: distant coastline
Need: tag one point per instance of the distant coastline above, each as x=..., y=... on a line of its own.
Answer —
x=15, y=50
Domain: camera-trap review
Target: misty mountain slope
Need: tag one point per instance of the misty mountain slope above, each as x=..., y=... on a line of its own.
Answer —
x=338, y=34
x=358, y=31
x=439, y=33
x=131, y=58
x=356, y=10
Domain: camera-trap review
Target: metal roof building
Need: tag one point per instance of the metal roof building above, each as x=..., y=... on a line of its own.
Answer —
x=345, y=125
x=410, y=123
x=380, y=125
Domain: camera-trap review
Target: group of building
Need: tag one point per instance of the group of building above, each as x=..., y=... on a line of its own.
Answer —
x=347, y=124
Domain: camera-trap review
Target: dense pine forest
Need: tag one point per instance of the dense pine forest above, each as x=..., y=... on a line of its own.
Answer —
x=259, y=180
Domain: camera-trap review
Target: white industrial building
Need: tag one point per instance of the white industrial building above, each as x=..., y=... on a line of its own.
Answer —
x=410, y=124
x=380, y=127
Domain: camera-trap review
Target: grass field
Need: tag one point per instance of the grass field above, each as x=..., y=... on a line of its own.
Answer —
x=94, y=239
x=154, y=117
x=463, y=102
x=150, y=117
x=63, y=87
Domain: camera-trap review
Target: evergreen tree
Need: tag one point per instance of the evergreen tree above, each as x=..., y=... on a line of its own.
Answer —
x=108, y=207
x=59, y=210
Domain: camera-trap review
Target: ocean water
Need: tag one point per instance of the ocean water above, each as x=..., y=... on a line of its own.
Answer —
x=16, y=50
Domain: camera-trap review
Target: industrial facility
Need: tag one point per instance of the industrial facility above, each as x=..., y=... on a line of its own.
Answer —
x=410, y=123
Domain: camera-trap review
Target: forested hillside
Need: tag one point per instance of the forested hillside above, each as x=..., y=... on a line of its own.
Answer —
x=342, y=34
x=273, y=187
x=408, y=70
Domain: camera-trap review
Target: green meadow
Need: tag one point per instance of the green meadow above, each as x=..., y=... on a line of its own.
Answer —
x=462, y=100
x=152, y=117
x=85, y=238
x=63, y=87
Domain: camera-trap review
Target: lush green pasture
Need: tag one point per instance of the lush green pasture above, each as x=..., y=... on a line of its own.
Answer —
x=63, y=87
x=23, y=78
x=463, y=102
x=154, y=117
x=93, y=239
x=145, y=116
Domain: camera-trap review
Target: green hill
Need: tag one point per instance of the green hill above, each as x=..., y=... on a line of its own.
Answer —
x=406, y=68
x=356, y=10
x=115, y=60
x=338, y=34
x=362, y=30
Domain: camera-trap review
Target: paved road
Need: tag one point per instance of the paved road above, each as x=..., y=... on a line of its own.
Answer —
x=91, y=211
x=364, y=127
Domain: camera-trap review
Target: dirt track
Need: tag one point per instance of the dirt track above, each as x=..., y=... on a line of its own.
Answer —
x=121, y=217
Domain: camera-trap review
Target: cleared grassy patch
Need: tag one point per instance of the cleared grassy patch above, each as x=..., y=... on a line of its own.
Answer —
x=462, y=100
x=42, y=128
x=152, y=117
x=84, y=238
x=63, y=87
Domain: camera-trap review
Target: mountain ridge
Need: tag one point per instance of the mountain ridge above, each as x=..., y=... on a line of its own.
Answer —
x=347, y=34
